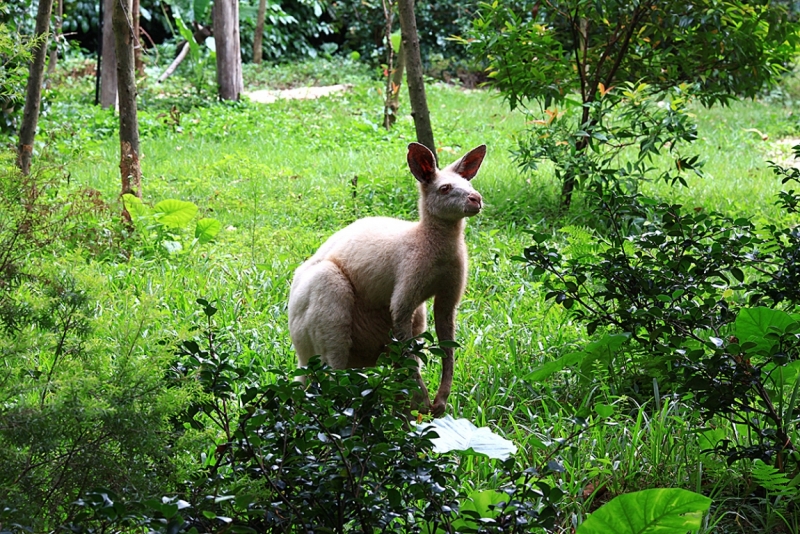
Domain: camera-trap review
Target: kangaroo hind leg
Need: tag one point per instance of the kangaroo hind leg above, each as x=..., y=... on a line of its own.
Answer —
x=321, y=315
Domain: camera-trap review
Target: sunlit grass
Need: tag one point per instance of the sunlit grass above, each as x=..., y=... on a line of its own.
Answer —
x=283, y=177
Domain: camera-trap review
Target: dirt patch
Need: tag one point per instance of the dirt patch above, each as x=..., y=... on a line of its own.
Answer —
x=268, y=96
x=781, y=152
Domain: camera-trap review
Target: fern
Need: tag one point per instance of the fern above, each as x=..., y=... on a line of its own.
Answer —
x=772, y=480
x=582, y=243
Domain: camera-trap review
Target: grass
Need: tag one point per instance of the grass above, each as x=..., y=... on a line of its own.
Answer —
x=283, y=177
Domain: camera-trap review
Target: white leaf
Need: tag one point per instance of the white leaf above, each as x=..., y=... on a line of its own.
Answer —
x=173, y=247
x=462, y=435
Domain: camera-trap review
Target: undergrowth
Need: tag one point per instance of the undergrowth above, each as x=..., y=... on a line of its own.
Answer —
x=280, y=178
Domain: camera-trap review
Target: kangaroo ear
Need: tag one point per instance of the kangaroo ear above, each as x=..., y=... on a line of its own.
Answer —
x=467, y=167
x=422, y=162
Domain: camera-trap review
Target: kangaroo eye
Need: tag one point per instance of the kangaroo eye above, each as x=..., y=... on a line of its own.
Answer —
x=446, y=188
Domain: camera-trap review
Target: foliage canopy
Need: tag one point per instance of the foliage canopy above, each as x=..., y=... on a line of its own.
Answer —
x=548, y=52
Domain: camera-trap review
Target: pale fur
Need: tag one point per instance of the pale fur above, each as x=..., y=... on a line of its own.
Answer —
x=373, y=277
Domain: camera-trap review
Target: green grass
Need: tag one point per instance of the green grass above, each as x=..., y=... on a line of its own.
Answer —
x=738, y=180
x=281, y=177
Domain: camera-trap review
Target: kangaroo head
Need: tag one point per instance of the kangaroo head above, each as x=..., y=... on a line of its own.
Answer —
x=446, y=194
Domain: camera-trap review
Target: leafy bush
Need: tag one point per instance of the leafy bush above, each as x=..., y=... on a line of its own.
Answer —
x=685, y=286
x=74, y=413
x=14, y=59
x=548, y=54
x=631, y=125
x=77, y=408
x=160, y=230
x=292, y=30
x=332, y=454
x=335, y=454
x=82, y=16
x=361, y=26
x=41, y=215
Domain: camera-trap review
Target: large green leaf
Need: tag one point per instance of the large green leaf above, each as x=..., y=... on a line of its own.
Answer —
x=134, y=206
x=187, y=35
x=396, y=40
x=482, y=502
x=478, y=505
x=207, y=229
x=604, y=348
x=653, y=511
x=175, y=213
x=753, y=324
x=544, y=371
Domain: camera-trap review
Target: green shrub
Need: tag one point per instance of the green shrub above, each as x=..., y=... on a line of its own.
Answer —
x=710, y=304
x=576, y=55
x=14, y=58
x=336, y=454
x=293, y=30
x=77, y=408
x=361, y=24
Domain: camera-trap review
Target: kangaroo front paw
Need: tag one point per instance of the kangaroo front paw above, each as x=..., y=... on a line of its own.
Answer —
x=439, y=407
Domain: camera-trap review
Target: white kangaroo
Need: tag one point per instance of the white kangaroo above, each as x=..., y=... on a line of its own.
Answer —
x=372, y=278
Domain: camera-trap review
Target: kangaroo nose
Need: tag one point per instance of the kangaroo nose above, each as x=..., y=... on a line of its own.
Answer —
x=476, y=198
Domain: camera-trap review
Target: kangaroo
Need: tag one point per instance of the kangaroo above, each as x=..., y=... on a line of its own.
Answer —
x=372, y=278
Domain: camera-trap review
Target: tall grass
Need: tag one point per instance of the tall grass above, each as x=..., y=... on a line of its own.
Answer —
x=282, y=177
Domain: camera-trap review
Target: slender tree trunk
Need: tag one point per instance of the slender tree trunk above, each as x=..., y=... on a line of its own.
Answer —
x=108, y=58
x=51, y=65
x=393, y=101
x=258, y=40
x=229, y=56
x=129, y=167
x=395, y=64
x=416, y=85
x=33, y=97
x=137, y=42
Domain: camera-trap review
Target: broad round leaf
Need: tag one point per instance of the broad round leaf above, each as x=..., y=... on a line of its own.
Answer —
x=753, y=324
x=207, y=229
x=175, y=213
x=653, y=511
x=483, y=501
x=134, y=206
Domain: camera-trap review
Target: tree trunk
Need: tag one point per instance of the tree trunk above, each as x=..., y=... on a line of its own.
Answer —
x=229, y=56
x=395, y=64
x=258, y=40
x=416, y=85
x=393, y=99
x=108, y=59
x=129, y=167
x=137, y=42
x=33, y=97
x=51, y=65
